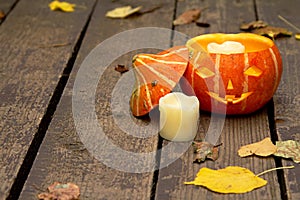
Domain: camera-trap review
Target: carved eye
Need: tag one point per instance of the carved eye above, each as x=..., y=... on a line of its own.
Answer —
x=204, y=72
x=253, y=71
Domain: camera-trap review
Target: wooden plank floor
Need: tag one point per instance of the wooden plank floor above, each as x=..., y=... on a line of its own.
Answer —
x=41, y=55
x=66, y=159
x=31, y=69
x=237, y=131
x=287, y=97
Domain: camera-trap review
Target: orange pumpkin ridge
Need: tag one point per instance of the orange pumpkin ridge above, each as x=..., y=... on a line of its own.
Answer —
x=156, y=75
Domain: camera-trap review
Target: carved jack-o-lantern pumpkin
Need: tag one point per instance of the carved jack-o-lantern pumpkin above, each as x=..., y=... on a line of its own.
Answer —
x=238, y=82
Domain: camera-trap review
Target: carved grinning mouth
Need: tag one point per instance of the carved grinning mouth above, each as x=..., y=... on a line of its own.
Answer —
x=229, y=99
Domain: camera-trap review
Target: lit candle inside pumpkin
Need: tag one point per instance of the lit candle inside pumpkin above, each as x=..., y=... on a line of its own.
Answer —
x=179, y=116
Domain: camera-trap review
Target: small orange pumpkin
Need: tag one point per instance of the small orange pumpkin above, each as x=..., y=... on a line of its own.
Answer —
x=146, y=97
x=239, y=83
x=156, y=75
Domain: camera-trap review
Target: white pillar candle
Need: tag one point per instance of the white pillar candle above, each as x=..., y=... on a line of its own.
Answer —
x=228, y=47
x=179, y=116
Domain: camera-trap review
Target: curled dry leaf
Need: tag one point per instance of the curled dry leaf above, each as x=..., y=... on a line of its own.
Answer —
x=121, y=68
x=253, y=25
x=122, y=12
x=273, y=32
x=62, y=6
x=60, y=191
x=262, y=148
x=262, y=28
x=187, y=17
x=288, y=149
x=231, y=179
x=205, y=150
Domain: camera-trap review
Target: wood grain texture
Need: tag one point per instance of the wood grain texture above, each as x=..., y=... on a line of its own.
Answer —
x=30, y=68
x=287, y=97
x=6, y=7
x=223, y=16
x=62, y=156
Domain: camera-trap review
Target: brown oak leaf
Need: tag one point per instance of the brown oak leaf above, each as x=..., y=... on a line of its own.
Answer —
x=187, y=17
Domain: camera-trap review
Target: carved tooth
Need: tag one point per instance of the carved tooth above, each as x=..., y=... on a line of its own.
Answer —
x=216, y=97
x=243, y=96
x=229, y=98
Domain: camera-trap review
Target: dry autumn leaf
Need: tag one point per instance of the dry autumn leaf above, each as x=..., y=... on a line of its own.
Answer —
x=231, y=179
x=122, y=12
x=121, y=68
x=288, y=149
x=61, y=191
x=187, y=17
x=262, y=28
x=253, y=25
x=62, y=6
x=273, y=32
x=205, y=150
x=262, y=148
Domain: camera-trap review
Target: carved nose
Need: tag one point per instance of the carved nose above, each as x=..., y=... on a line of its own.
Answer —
x=229, y=85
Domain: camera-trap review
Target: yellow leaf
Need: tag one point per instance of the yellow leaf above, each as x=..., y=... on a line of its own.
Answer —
x=297, y=36
x=122, y=12
x=262, y=148
x=62, y=6
x=231, y=179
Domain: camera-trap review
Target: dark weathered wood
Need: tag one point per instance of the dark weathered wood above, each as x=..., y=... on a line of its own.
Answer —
x=287, y=97
x=30, y=69
x=223, y=16
x=6, y=7
x=62, y=156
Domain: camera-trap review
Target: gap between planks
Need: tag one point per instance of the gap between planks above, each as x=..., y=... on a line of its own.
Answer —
x=160, y=139
x=6, y=13
x=274, y=138
x=47, y=117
